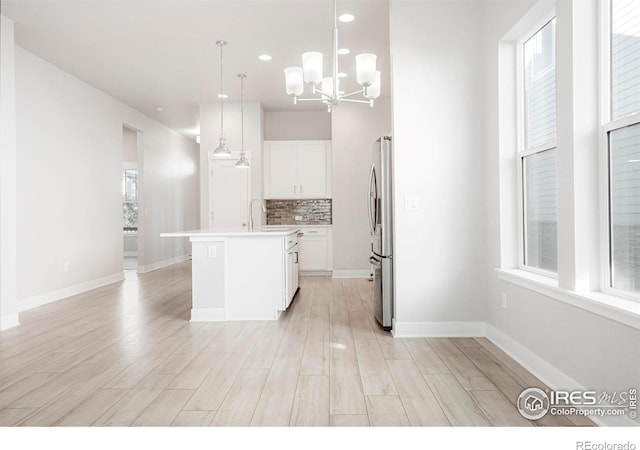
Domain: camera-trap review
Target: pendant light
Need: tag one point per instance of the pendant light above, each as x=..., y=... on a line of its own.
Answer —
x=242, y=163
x=221, y=149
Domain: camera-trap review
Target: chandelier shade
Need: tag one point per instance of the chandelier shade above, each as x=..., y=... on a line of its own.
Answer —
x=366, y=69
x=312, y=67
x=327, y=86
x=294, y=80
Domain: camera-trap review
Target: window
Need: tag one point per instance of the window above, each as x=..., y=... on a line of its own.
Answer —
x=130, y=200
x=538, y=150
x=622, y=130
x=625, y=58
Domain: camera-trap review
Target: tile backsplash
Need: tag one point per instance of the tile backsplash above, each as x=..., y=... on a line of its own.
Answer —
x=309, y=211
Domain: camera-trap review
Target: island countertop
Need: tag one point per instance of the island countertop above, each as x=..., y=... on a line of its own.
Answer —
x=235, y=232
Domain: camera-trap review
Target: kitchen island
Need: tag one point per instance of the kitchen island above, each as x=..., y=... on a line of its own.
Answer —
x=242, y=275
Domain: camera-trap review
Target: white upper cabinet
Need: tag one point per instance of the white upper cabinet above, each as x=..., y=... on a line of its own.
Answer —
x=297, y=169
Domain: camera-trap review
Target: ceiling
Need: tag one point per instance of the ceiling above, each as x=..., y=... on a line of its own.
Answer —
x=149, y=53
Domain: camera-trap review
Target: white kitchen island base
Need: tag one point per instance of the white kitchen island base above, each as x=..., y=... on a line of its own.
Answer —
x=242, y=275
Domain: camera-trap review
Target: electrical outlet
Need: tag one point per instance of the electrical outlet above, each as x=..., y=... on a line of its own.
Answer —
x=212, y=251
x=503, y=297
x=298, y=217
x=411, y=203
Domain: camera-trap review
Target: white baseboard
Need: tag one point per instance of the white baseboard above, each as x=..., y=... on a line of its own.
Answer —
x=161, y=264
x=439, y=329
x=537, y=366
x=351, y=273
x=208, y=315
x=49, y=297
x=9, y=321
x=546, y=372
x=315, y=273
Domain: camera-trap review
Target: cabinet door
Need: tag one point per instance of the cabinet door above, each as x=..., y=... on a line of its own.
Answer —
x=290, y=269
x=312, y=169
x=313, y=253
x=282, y=181
x=296, y=270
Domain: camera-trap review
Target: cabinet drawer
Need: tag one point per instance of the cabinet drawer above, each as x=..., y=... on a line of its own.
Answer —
x=291, y=240
x=313, y=231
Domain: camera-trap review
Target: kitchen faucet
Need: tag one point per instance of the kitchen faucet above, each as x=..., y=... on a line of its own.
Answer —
x=264, y=210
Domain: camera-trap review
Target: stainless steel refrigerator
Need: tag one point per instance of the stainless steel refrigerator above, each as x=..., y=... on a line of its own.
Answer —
x=380, y=207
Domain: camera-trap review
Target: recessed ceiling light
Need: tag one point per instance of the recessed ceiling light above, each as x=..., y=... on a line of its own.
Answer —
x=265, y=57
x=223, y=96
x=159, y=108
x=342, y=75
x=346, y=18
x=344, y=51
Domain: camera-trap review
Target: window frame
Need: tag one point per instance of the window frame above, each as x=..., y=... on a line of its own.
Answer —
x=522, y=152
x=607, y=126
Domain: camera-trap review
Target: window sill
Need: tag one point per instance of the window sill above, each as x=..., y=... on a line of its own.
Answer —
x=610, y=306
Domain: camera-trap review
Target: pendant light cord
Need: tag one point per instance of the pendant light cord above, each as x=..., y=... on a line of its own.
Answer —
x=334, y=67
x=242, y=111
x=221, y=44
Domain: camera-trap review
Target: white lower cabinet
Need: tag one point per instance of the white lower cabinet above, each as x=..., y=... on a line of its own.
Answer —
x=291, y=268
x=315, y=249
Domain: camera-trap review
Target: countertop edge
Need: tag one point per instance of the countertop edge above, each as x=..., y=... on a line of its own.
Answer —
x=231, y=233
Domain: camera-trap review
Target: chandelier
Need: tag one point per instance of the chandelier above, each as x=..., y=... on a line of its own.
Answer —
x=327, y=89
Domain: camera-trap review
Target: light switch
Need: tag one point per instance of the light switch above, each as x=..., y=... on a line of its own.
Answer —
x=411, y=203
x=212, y=251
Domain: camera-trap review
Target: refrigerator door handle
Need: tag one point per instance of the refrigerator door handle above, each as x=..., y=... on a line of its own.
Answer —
x=372, y=186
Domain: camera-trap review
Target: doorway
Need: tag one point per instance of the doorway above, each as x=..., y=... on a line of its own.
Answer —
x=130, y=199
x=229, y=194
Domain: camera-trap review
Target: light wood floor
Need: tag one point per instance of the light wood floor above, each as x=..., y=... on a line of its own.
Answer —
x=126, y=354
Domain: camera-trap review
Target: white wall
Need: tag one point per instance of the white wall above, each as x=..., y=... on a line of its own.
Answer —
x=209, y=138
x=355, y=129
x=69, y=138
x=457, y=153
x=129, y=145
x=168, y=171
x=297, y=125
x=438, y=132
x=568, y=347
x=8, y=288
